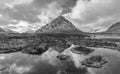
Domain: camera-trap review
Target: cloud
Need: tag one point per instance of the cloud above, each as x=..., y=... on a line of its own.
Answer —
x=2, y=57
x=49, y=13
x=34, y=12
x=12, y=3
x=19, y=69
x=21, y=13
x=76, y=58
x=21, y=27
x=95, y=13
x=50, y=56
x=67, y=6
x=54, y=9
x=42, y=3
x=4, y=19
x=27, y=10
x=26, y=19
x=87, y=15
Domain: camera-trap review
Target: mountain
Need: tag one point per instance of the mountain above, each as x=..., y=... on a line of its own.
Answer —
x=2, y=31
x=98, y=30
x=7, y=30
x=59, y=25
x=115, y=28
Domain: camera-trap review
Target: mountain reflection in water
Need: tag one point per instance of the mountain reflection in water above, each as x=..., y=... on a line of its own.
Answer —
x=47, y=63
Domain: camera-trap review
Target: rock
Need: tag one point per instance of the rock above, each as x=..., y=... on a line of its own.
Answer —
x=82, y=50
x=63, y=57
x=36, y=49
x=96, y=61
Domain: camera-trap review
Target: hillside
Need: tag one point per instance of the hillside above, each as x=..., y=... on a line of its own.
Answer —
x=59, y=25
x=115, y=28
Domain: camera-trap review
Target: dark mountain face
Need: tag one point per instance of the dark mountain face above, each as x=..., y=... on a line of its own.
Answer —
x=59, y=25
x=115, y=28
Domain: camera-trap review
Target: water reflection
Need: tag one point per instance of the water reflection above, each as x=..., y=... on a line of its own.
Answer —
x=113, y=65
x=18, y=63
x=47, y=63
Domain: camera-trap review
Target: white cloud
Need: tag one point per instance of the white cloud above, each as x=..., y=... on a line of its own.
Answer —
x=95, y=13
x=54, y=9
x=76, y=58
x=87, y=15
x=50, y=57
x=2, y=57
x=44, y=18
x=22, y=21
x=32, y=12
x=19, y=69
x=21, y=27
x=12, y=3
x=49, y=13
x=0, y=15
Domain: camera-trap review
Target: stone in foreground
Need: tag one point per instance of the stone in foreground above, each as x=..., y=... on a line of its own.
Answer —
x=94, y=61
x=63, y=57
x=82, y=50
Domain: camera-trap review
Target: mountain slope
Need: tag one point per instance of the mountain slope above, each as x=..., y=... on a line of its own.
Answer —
x=115, y=28
x=59, y=25
x=2, y=31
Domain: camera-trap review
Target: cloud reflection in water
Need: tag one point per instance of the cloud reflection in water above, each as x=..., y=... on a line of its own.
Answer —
x=19, y=63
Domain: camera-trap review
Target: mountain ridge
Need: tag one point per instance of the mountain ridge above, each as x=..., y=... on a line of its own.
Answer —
x=59, y=25
x=114, y=28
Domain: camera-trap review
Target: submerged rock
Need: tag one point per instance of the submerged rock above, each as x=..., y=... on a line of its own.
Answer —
x=63, y=57
x=82, y=50
x=36, y=49
x=96, y=61
x=81, y=70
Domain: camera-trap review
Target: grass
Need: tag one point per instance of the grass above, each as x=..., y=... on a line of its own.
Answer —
x=39, y=43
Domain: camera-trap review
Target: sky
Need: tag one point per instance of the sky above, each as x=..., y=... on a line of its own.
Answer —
x=86, y=15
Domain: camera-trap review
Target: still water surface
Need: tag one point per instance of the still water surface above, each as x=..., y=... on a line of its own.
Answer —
x=47, y=63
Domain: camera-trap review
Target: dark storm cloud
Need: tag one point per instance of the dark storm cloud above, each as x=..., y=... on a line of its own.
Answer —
x=67, y=6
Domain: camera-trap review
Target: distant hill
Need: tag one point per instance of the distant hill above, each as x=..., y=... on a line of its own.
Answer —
x=9, y=31
x=59, y=25
x=115, y=28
